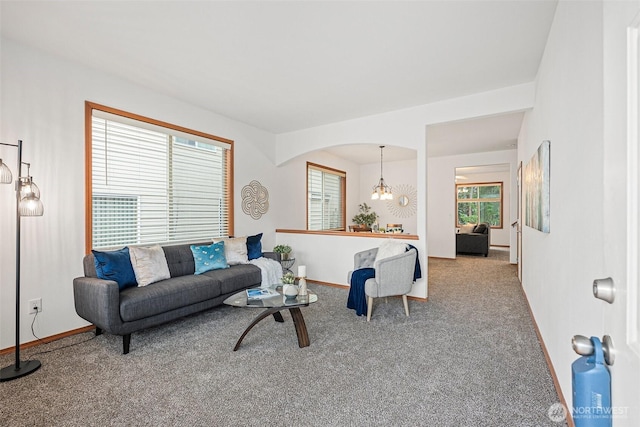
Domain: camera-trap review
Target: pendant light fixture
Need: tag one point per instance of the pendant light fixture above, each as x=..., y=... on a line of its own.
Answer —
x=381, y=191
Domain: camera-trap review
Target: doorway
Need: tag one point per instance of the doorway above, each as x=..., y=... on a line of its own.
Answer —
x=483, y=194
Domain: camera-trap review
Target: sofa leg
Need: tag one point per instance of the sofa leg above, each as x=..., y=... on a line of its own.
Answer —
x=126, y=341
x=98, y=331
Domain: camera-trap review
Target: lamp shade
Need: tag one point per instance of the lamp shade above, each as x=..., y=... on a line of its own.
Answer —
x=5, y=174
x=27, y=186
x=31, y=206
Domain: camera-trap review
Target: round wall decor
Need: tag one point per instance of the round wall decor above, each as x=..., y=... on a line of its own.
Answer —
x=403, y=204
x=255, y=199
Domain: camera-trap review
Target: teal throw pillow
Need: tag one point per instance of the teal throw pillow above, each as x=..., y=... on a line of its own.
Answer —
x=209, y=257
x=116, y=266
x=254, y=246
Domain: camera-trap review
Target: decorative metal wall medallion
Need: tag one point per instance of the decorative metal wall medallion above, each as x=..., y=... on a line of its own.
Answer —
x=403, y=204
x=255, y=199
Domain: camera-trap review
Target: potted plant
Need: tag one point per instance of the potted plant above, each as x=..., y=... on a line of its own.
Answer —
x=283, y=251
x=365, y=218
x=288, y=279
x=289, y=289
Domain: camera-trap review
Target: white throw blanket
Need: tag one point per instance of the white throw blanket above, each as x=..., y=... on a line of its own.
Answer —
x=271, y=271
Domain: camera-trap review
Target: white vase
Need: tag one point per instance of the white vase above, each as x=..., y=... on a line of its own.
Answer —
x=290, y=291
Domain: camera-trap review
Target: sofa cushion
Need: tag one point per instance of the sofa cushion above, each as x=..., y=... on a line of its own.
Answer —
x=467, y=228
x=254, y=246
x=209, y=257
x=116, y=266
x=180, y=259
x=235, y=249
x=480, y=228
x=149, y=264
x=165, y=295
x=236, y=278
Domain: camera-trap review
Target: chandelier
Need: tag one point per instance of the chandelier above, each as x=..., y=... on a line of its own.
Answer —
x=381, y=191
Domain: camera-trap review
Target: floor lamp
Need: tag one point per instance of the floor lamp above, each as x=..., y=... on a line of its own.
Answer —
x=27, y=204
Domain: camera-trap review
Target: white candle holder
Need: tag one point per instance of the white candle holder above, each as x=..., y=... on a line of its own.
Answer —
x=302, y=280
x=302, y=286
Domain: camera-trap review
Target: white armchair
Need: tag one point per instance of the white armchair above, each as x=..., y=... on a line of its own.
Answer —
x=393, y=276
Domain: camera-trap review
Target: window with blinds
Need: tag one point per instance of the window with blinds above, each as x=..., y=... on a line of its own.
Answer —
x=154, y=184
x=325, y=198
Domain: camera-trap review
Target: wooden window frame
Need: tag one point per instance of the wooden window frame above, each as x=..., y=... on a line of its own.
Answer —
x=89, y=107
x=343, y=191
x=481, y=184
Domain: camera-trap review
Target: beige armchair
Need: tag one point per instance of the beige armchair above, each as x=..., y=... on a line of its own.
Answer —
x=393, y=276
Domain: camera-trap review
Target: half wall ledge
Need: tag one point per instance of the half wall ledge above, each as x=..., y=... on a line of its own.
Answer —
x=351, y=234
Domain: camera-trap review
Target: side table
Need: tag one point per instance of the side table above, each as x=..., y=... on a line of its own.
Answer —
x=287, y=264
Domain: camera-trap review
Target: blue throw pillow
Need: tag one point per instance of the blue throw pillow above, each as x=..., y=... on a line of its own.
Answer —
x=254, y=246
x=209, y=257
x=116, y=266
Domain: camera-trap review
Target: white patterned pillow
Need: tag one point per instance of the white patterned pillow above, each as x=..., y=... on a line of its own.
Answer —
x=149, y=264
x=235, y=250
x=389, y=248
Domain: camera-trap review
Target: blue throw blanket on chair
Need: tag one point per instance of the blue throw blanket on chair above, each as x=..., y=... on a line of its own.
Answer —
x=417, y=272
x=357, y=299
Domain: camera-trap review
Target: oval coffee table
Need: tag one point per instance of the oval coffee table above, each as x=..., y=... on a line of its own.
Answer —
x=273, y=306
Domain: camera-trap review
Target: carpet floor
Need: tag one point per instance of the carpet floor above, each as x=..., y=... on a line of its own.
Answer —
x=467, y=357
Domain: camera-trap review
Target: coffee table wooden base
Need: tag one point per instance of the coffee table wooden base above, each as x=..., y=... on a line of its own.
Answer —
x=298, y=321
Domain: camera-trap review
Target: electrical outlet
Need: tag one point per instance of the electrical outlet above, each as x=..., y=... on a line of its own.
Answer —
x=35, y=305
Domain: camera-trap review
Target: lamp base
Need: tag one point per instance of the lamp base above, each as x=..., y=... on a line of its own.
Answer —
x=25, y=368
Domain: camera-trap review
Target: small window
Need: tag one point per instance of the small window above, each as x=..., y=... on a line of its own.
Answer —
x=325, y=198
x=478, y=203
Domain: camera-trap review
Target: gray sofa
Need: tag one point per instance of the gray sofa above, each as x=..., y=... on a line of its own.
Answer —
x=121, y=312
x=476, y=242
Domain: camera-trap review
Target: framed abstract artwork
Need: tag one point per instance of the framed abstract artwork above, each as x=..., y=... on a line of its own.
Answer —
x=537, y=188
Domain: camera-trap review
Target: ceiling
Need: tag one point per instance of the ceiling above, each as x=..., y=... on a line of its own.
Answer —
x=287, y=65
x=493, y=133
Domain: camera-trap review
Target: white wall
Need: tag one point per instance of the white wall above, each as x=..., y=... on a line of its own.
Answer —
x=332, y=263
x=42, y=103
x=441, y=194
x=559, y=267
x=291, y=194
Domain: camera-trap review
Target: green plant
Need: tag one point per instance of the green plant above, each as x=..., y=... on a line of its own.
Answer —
x=282, y=249
x=288, y=279
x=365, y=217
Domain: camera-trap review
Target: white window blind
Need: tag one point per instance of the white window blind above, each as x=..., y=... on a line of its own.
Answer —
x=150, y=185
x=325, y=210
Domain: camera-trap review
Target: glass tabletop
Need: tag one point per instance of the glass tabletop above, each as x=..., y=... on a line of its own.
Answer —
x=240, y=300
